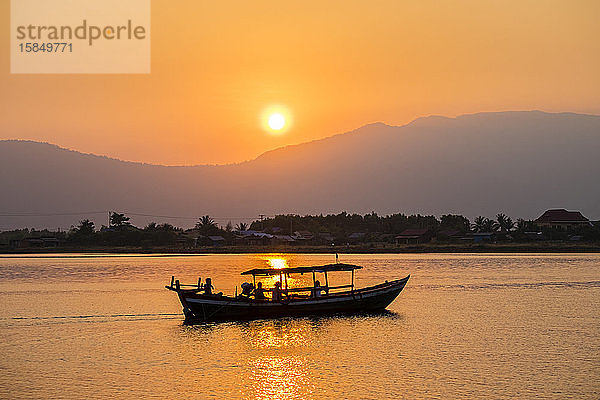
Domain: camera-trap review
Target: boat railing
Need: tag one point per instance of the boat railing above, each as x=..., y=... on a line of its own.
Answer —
x=311, y=288
x=175, y=284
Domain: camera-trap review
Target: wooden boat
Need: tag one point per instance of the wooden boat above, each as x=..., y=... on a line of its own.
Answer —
x=201, y=307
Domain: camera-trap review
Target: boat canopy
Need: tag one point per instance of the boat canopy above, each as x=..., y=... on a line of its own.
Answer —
x=301, y=270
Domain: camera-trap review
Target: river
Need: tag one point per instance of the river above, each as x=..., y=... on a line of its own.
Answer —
x=494, y=326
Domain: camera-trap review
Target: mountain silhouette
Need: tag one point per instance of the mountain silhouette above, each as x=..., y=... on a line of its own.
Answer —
x=519, y=163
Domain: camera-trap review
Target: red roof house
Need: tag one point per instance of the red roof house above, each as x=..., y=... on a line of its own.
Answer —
x=562, y=218
x=414, y=235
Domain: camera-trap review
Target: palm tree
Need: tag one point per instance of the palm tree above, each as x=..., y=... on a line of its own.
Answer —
x=206, y=224
x=491, y=225
x=478, y=224
x=483, y=224
x=504, y=223
x=241, y=226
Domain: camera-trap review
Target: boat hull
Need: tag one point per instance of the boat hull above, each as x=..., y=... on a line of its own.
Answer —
x=202, y=308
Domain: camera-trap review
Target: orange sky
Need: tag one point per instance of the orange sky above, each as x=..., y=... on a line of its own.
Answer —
x=336, y=65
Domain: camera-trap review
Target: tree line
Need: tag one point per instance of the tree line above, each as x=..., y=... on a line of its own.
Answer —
x=342, y=224
x=339, y=227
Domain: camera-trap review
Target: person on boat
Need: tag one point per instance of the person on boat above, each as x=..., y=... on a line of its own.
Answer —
x=277, y=292
x=318, y=289
x=208, y=287
x=247, y=288
x=259, y=292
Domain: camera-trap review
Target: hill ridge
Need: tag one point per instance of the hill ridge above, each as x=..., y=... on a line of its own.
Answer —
x=519, y=163
x=362, y=128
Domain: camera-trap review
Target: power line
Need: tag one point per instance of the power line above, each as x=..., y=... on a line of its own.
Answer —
x=187, y=217
x=28, y=214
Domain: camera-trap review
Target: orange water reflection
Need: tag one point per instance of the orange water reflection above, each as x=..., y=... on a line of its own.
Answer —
x=280, y=377
x=278, y=367
x=278, y=263
x=473, y=326
x=277, y=334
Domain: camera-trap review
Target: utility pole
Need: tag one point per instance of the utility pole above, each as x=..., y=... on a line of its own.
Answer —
x=262, y=225
x=109, y=219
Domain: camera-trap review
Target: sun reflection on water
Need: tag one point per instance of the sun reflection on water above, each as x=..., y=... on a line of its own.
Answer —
x=277, y=263
x=279, y=368
x=278, y=335
x=280, y=377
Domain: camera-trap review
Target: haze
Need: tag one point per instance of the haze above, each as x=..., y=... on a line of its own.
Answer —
x=336, y=65
x=520, y=163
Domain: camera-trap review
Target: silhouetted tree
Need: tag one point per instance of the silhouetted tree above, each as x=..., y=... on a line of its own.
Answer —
x=154, y=227
x=478, y=224
x=483, y=224
x=490, y=225
x=159, y=234
x=84, y=232
x=241, y=226
x=85, y=228
x=505, y=223
x=118, y=220
x=455, y=222
x=523, y=226
x=229, y=227
x=206, y=225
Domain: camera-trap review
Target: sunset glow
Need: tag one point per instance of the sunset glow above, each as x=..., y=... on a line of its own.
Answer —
x=334, y=66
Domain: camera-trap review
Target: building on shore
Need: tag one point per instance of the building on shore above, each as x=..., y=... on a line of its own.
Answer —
x=480, y=237
x=563, y=219
x=30, y=242
x=414, y=236
x=253, y=238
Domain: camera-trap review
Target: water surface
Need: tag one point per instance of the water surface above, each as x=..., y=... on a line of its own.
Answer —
x=466, y=326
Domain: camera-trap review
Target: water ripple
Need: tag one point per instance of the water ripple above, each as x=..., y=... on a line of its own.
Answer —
x=523, y=285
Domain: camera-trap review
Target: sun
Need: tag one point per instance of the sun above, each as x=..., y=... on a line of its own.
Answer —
x=276, y=121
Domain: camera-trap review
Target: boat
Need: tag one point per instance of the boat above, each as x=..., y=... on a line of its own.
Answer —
x=200, y=305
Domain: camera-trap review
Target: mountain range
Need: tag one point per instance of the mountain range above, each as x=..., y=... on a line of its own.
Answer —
x=519, y=163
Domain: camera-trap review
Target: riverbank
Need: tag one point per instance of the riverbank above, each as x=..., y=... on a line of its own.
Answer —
x=536, y=247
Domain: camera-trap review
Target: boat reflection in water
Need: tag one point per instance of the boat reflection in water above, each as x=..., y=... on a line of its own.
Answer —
x=283, y=358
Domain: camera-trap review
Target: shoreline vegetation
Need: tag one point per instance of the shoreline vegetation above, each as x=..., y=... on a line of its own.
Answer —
x=554, y=231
